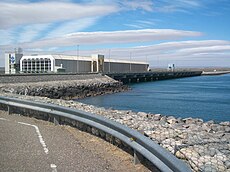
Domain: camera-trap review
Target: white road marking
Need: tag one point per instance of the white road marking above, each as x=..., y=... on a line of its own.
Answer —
x=54, y=167
x=39, y=136
x=4, y=119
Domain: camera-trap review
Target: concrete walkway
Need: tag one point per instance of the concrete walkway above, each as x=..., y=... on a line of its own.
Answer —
x=28, y=144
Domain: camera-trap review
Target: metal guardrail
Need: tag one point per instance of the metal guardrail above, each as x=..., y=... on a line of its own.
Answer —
x=157, y=155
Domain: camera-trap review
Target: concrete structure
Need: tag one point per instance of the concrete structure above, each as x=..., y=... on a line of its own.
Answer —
x=77, y=64
x=171, y=67
x=117, y=66
x=151, y=76
x=2, y=70
x=12, y=62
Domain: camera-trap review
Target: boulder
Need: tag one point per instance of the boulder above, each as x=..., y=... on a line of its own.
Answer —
x=187, y=153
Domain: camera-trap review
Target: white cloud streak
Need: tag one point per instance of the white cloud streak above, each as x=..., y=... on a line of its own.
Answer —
x=70, y=27
x=23, y=21
x=117, y=37
x=177, y=5
x=146, y=5
x=12, y=14
x=30, y=32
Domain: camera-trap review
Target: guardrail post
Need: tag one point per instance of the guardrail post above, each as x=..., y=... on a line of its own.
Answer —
x=56, y=120
x=137, y=158
x=8, y=109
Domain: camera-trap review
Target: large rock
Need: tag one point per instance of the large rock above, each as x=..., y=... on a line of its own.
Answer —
x=209, y=167
x=215, y=163
x=185, y=153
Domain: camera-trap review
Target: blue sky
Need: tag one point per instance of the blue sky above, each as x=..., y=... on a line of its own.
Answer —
x=184, y=32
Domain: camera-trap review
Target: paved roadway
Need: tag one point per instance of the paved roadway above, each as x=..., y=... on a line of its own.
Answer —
x=27, y=144
x=45, y=77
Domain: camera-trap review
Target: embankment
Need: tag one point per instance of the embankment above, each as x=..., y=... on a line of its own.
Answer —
x=61, y=86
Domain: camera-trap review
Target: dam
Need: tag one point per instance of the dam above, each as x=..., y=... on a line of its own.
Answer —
x=151, y=76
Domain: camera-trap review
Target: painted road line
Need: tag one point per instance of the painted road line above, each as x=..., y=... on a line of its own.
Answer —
x=54, y=167
x=4, y=119
x=39, y=136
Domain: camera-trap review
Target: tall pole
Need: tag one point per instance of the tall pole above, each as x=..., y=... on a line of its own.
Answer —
x=109, y=61
x=130, y=65
x=77, y=58
x=146, y=62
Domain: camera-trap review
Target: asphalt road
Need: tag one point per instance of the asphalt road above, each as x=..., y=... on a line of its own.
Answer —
x=27, y=144
x=45, y=78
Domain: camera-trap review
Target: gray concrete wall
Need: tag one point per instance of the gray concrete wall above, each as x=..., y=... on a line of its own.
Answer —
x=74, y=65
x=124, y=67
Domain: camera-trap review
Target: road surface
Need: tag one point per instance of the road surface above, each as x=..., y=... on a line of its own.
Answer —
x=27, y=144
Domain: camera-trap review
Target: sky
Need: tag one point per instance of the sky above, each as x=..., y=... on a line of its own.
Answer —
x=187, y=33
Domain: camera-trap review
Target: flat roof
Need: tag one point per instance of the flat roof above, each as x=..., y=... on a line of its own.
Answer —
x=81, y=58
x=124, y=61
x=71, y=57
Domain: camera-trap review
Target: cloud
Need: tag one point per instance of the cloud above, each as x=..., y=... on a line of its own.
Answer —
x=117, y=37
x=202, y=50
x=30, y=32
x=23, y=21
x=140, y=24
x=146, y=5
x=192, y=6
x=70, y=27
x=14, y=14
x=176, y=5
x=5, y=35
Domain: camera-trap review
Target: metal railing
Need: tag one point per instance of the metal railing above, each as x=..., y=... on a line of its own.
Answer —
x=158, y=156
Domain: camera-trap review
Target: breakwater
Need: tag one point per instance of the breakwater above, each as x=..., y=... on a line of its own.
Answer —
x=151, y=76
x=75, y=86
x=204, y=146
x=61, y=86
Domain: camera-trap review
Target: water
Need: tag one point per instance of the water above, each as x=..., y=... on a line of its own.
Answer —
x=206, y=97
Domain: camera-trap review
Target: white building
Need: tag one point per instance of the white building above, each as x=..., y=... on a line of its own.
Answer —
x=73, y=64
x=171, y=67
x=12, y=61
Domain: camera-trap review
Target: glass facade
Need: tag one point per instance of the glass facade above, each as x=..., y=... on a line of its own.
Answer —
x=36, y=65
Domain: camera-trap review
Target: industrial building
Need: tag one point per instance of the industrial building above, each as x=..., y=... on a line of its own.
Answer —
x=12, y=62
x=69, y=64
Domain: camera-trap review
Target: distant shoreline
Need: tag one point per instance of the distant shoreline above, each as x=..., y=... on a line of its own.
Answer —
x=215, y=73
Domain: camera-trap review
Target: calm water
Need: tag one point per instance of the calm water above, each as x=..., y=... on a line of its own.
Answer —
x=206, y=97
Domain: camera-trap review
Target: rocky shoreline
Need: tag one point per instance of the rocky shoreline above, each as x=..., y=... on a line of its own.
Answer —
x=205, y=146
x=91, y=85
